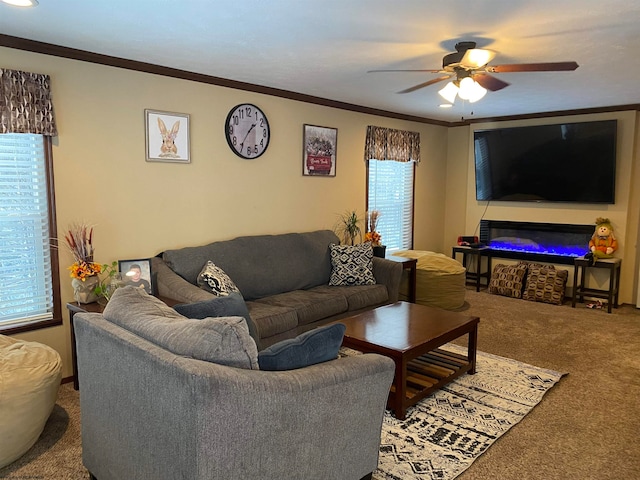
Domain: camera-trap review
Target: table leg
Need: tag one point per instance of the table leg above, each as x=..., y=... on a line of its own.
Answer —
x=478, y=267
x=400, y=383
x=575, y=285
x=583, y=272
x=618, y=267
x=74, y=357
x=472, y=348
x=612, y=288
x=412, y=283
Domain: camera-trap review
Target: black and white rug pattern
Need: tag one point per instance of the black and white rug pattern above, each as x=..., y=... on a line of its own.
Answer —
x=444, y=433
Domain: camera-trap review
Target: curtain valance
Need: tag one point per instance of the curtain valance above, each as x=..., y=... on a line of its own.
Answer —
x=390, y=144
x=25, y=103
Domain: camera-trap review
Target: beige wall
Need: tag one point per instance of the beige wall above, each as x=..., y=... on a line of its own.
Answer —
x=140, y=208
x=463, y=216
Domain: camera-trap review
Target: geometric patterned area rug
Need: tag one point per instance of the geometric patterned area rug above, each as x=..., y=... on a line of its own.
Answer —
x=443, y=434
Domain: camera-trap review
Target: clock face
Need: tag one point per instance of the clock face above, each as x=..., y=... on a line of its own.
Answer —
x=247, y=131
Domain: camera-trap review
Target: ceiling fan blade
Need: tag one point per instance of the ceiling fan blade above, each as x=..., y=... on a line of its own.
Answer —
x=533, y=67
x=430, y=71
x=489, y=82
x=477, y=57
x=425, y=84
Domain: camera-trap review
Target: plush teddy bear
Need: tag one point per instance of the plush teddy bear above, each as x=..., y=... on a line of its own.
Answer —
x=603, y=243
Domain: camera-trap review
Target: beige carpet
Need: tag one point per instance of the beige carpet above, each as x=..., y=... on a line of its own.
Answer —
x=585, y=428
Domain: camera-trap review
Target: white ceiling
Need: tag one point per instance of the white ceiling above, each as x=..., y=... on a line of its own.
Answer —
x=325, y=48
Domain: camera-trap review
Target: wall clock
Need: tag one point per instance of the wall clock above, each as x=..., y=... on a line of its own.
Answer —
x=247, y=131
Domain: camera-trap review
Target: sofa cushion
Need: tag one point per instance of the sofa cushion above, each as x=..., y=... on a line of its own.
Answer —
x=225, y=340
x=352, y=264
x=507, y=280
x=262, y=265
x=358, y=296
x=546, y=285
x=213, y=279
x=272, y=319
x=232, y=305
x=315, y=346
x=309, y=306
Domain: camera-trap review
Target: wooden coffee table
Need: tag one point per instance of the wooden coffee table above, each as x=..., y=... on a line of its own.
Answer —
x=410, y=334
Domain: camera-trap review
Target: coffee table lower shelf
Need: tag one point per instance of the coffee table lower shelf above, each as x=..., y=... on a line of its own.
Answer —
x=428, y=373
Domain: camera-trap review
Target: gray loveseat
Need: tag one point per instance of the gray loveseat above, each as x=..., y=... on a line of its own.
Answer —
x=164, y=397
x=284, y=280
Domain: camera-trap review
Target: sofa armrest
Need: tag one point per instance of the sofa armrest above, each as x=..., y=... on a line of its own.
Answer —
x=171, y=285
x=388, y=273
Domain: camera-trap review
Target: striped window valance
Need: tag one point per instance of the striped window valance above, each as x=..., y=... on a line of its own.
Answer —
x=390, y=144
x=25, y=103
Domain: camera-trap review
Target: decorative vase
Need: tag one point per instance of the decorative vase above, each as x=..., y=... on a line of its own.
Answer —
x=379, y=251
x=83, y=292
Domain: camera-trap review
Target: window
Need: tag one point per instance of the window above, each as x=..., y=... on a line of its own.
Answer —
x=29, y=282
x=390, y=190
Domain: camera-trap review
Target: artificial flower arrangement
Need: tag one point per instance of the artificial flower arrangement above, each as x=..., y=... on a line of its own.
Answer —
x=79, y=240
x=372, y=234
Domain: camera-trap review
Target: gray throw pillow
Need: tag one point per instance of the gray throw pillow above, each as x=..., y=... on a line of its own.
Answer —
x=351, y=265
x=315, y=346
x=225, y=341
x=232, y=305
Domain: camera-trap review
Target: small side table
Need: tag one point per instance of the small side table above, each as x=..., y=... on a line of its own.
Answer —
x=478, y=253
x=410, y=264
x=580, y=290
x=75, y=307
x=94, y=307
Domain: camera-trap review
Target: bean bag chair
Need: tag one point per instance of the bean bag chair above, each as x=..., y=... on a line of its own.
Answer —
x=440, y=280
x=30, y=374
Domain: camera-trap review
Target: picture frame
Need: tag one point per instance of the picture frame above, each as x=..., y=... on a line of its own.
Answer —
x=167, y=136
x=127, y=269
x=319, y=151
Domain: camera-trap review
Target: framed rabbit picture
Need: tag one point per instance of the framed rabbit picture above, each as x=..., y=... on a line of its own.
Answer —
x=167, y=136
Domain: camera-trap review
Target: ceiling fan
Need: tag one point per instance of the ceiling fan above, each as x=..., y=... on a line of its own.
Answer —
x=469, y=72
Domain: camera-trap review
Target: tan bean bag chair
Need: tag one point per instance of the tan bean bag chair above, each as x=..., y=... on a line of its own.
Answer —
x=30, y=374
x=440, y=280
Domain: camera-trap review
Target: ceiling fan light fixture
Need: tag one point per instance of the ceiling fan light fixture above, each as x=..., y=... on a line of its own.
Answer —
x=471, y=90
x=477, y=93
x=477, y=57
x=466, y=88
x=449, y=92
x=21, y=3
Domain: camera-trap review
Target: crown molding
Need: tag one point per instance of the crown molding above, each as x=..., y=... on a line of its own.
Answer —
x=91, y=57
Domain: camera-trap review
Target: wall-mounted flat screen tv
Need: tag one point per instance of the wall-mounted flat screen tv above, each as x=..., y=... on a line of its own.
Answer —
x=568, y=162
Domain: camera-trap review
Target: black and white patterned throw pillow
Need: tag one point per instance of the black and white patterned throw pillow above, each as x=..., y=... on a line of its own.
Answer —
x=213, y=279
x=351, y=264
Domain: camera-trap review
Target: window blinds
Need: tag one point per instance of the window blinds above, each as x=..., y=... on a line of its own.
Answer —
x=391, y=192
x=26, y=293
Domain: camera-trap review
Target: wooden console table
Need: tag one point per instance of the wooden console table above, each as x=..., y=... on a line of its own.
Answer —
x=580, y=290
x=95, y=307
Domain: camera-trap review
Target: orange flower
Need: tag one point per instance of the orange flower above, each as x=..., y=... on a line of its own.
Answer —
x=373, y=237
x=82, y=270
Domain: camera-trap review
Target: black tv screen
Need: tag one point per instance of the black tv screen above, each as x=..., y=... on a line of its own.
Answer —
x=568, y=162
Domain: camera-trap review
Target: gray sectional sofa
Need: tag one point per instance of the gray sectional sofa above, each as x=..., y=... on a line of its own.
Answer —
x=284, y=280
x=164, y=397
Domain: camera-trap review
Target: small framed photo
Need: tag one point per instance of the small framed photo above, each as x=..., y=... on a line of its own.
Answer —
x=319, y=151
x=137, y=273
x=167, y=137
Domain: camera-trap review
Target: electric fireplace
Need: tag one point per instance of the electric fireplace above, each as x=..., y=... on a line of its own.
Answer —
x=543, y=242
